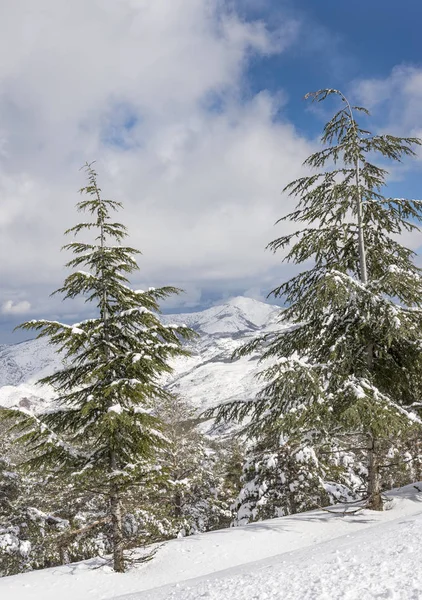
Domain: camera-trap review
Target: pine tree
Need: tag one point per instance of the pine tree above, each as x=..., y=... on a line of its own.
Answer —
x=103, y=432
x=284, y=476
x=347, y=360
x=26, y=534
x=279, y=481
x=197, y=495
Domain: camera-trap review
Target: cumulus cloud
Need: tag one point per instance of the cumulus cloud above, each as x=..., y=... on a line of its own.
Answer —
x=15, y=308
x=395, y=102
x=398, y=97
x=154, y=91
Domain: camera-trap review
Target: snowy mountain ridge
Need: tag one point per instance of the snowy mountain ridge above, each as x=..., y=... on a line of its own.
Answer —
x=205, y=378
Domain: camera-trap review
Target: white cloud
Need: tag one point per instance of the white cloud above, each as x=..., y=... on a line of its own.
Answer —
x=395, y=102
x=15, y=308
x=397, y=97
x=198, y=168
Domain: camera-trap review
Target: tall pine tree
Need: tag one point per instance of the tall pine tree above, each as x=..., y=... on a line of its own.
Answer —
x=104, y=429
x=347, y=360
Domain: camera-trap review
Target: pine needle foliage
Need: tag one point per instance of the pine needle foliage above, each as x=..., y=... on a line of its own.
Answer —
x=104, y=430
x=348, y=355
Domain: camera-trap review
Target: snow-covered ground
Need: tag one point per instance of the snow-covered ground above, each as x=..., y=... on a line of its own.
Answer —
x=311, y=556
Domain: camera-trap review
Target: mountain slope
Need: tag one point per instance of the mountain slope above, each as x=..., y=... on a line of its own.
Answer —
x=205, y=379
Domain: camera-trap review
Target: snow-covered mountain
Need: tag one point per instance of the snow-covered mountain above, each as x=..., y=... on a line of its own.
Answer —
x=205, y=378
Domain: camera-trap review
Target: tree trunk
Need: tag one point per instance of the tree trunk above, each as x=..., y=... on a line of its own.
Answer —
x=359, y=209
x=116, y=521
x=374, y=480
x=361, y=240
x=374, y=483
x=177, y=502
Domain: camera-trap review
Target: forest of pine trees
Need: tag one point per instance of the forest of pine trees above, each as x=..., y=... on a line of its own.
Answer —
x=121, y=463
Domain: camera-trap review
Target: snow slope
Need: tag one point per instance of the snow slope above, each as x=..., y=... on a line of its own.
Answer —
x=26, y=362
x=380, y=563
x=311, y=556
x=205, y=379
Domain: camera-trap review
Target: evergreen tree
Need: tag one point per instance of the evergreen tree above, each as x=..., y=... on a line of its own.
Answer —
x=287, y=476
x=104, y=431
x=279, y=481
x=27, y=535
x=197, y=494
x=347, y=361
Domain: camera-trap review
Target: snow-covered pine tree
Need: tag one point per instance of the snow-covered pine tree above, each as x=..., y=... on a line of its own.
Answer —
x=27, y=535
x=284, y=476
x=279, y=479
x=197, y=495
x=348, y=360
x=104, y=430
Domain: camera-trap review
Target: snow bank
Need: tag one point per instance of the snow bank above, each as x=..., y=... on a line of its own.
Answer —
x=380, y=562
x=314, y=555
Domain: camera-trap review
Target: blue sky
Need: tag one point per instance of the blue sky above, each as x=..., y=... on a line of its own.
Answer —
x=338, y=43
x=194, y=112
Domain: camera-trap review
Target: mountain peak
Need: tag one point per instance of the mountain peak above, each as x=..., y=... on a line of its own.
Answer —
x=234, y=316
x=244, y=303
